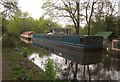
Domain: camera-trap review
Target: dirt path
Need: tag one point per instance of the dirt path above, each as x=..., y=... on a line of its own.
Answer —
x=6, y=69
x=0, y=58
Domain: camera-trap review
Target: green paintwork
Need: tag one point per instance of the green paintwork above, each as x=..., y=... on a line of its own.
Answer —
x=104, y=34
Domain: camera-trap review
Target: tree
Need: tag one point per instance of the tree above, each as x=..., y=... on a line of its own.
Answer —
x=89, y=11
x=43, y=25
x=9, y=8
x=96, y=10
x=70, y=28
x=64, y=9
x=110, y=23
x=19, y=25
x=98, y=26
x=118, y=27
x=83, y=31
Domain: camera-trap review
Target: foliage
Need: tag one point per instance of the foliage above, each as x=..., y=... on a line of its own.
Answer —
x=83, y=31
x=21, y=73
x=42, y=25
x=110, y=23
x=10, y=8
x=70, y=28
x=50, y=72
x=118, y=27
x=8, y=41
x=4, y=27
x=18, y=25
x=25, y=51
x=98, y=26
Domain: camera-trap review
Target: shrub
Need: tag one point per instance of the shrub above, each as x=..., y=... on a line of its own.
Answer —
x=25, y=51
x=8, y=41
x=50, y=71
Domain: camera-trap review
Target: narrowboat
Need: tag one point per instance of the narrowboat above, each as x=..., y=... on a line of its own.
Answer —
x=80, y=49
x=74, y=44
x=27, y=36
x=115, y=47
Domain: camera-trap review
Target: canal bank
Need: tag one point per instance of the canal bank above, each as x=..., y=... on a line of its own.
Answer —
x=17, y=67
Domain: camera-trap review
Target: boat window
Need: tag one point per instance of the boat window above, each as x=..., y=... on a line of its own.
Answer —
x=117, y=45
x=60, y=37
x=29, y=39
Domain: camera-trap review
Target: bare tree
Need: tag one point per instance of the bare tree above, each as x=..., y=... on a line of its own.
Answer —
x=9, y=8
x=64, y=9
x=87, y=10
x=106, y=8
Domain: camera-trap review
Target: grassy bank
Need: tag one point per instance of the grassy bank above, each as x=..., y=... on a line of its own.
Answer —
x=17, y=67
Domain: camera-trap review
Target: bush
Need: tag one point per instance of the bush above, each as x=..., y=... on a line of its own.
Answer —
x=25, y=51
x=50, y=71
x=8, y=41
x=22, y=74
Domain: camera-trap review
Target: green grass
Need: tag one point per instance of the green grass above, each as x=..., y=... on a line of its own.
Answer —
x=20, y=66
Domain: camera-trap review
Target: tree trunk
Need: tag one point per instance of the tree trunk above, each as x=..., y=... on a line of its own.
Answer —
x=77, y=31
x=88, y=28
x=78, y=19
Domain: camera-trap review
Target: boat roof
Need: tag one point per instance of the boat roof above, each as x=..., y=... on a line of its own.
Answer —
x=28, y=32
x=104, y=34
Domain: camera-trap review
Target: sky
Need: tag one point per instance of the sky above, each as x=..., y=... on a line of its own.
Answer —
x=33, y=7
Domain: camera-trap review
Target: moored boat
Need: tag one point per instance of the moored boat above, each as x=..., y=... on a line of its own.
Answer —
x=115, y=46
x=27, y=36
x=73, y=43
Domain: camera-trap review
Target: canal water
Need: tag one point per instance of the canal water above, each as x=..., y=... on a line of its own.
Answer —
x=106, y=69
x=102, y=66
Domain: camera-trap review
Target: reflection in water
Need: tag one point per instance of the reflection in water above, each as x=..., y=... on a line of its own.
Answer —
x=26, y=40
x=96, y=71
x=58, y=61
x=110, y=66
